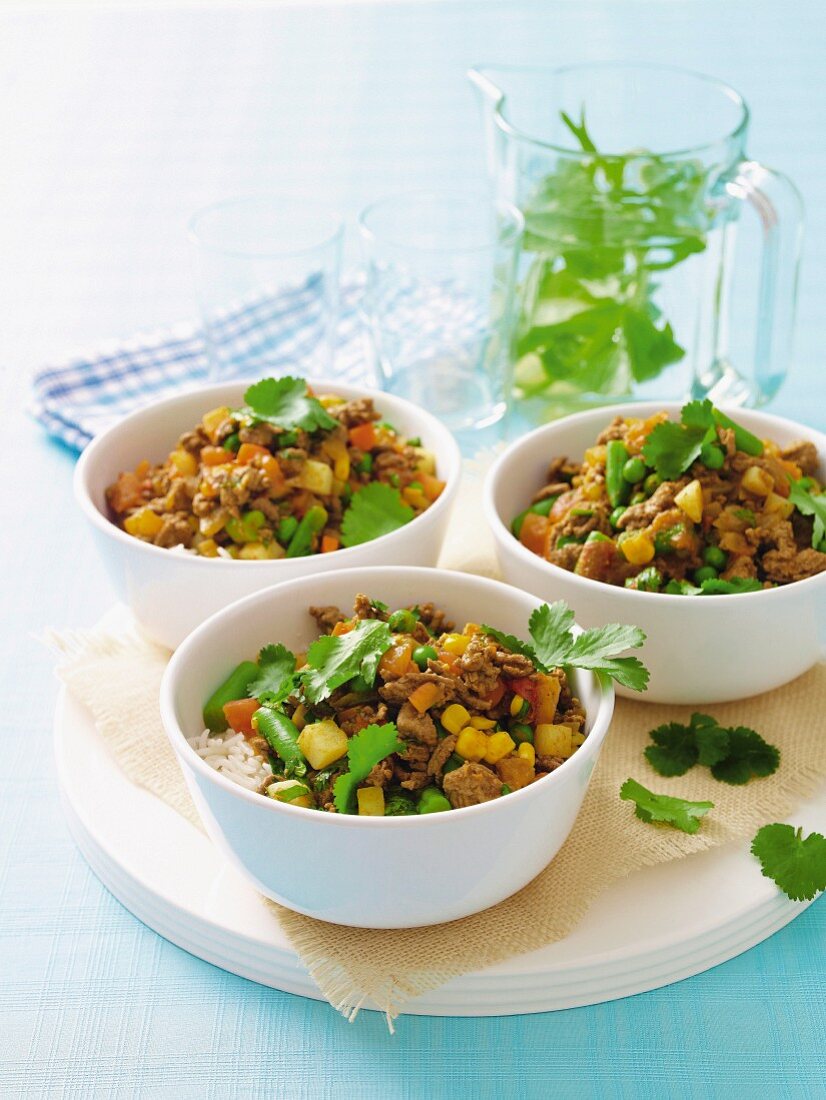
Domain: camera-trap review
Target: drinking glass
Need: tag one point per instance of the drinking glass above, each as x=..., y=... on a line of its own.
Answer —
x=632, y=179
x=267, y=273
x=439, y=300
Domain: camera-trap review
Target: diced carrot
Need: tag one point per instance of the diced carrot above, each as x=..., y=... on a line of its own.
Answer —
x=495, y=696
x=534, y=532
x=329, y=543
x=424, y=696
x=248, y=451
x=125, y=493
x=396, y=660
x=432, y=486
x=215, y=456
x=142, y=468
x=363, y=436
x=239, y=714
x=342, y=628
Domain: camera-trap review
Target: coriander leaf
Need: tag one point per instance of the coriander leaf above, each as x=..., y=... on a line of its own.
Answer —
x=748, y=755
x=335, y=660
x=515, y=645
x=798, y=866
x=716, y=586
x=650, y=349
x=595, y=648
x=671, y=448
x=374, y=510
x=674, y=750
x=550, y=628
x=651, y=807
x=711, y=739
x=290, y=794
x=364, y=751
x=286, y=403
x=810, y=504
x=276, y=679
x=698, y=414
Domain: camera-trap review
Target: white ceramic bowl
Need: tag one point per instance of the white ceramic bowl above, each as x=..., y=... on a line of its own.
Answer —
x=699, y=649
x=375, y=872
x=170, y=592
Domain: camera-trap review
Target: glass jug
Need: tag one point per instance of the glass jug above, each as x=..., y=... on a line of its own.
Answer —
x=631, y=179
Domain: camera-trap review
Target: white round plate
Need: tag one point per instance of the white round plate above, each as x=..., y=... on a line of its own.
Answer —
x=643, y=932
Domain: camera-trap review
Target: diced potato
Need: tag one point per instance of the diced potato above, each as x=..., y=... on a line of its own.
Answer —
x=211, y=525
x=690, y=500
x=775, y=504
x=213, y=420
x=316, y=477
x=145, y=524
x=371, y=801
x=548, y=689
x=577, y=739
x=425, y=461
x=208, y=548
x=638, y=548
x=734, y=543
x=277, y=790
x=551, y=740
x=758, y=481
x=322, y=743
x=183, y=463
x=260, y=551
x=516, y=771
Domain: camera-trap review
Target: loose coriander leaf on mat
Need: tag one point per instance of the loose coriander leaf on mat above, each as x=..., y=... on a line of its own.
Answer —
x=711, y=739
x=797, y=865
x=376, y=509
x=748, y=755
x=550, y=628
x=674, y=750
x=365, y=750
x=595, y=649
x=286, y=403
x=335, y=660
x=515, y=645
x=276, y=678
x=810, y=504
x=651, y=807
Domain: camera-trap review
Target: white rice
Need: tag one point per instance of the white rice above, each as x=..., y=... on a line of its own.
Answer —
x=231, y=755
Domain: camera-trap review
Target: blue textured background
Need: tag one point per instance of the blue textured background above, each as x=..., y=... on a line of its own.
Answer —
x=115, y=126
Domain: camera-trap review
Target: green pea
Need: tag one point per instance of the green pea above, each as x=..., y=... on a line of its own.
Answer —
x=712, y=456
x=402, y=622
x=634, y=470
x=714, y=556
x=505, y=789
x=582, y=511
x=704, y=573
x=521, y=733
x=638, y=498
x=615, y=516
x=365, y=464
x=432, y=801
x=597, y=536
x=651, y=484
x=543, y=507
x=424, y=653
x=232, y=442
x=566, y=540
x=416, y=441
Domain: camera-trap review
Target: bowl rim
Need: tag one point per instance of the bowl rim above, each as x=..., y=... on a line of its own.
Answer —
x=188, y=757
x=509, y=544
x=445, y=446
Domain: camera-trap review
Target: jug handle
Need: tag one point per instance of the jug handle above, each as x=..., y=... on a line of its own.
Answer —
x=779, y=209
x=491, y=97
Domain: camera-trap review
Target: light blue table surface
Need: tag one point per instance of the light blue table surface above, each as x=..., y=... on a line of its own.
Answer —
x=114, y=126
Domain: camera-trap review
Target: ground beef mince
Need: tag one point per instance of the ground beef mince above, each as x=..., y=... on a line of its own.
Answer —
x=735, y=513
x=458, y=731
x=237, y=486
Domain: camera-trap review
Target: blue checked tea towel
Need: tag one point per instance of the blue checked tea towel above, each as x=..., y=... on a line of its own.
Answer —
x=77, y=399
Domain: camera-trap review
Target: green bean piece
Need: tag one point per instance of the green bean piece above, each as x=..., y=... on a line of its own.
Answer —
x=615, y=516
x=247, y=527
x=714, y=555
x=311, y=523
x=712, y=455
x=234, y=687
x=597, y=536
x=282, y=737
x=287, y=527
x=543, y=507
x=432, y=801
x=617, y=488
x=232, y=442
x=517, y=521
x=634, y=470
x=566, y=540
x=743, y=439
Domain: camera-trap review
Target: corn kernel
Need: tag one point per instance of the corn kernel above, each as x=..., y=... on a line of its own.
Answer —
x=471, y=744
x=371, y=801
x=341, y=468
x=208, y=548
x=480, y=723
x=758, y=481
x=638, y=548
x=527, y=752
x=455, y=718
x=499, y=746
x=455, y=643
x=553, y=740
x=595, y=456
x=690, y=500
x=144, y=523
x=185, y=463
x=516, y=705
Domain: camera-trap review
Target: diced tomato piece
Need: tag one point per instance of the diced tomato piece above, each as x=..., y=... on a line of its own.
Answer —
x=248, y=451
x=329, y=543
x=239, y=714
x=363, y=436
x=527, y=687
x=534, y=533
x=495, y=696
x=216, y=456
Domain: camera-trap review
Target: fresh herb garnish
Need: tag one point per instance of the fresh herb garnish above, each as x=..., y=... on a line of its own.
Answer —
x=650, y=807
x=672, y=448
x=290, y=794
x=286, y=403
x=734, y=754
x=375, y=509
x=797, y=865
x=716, y=586
x=334, y=660
x=810, y=504
x=276, y=679
x=554, y=645
x=364, y=751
